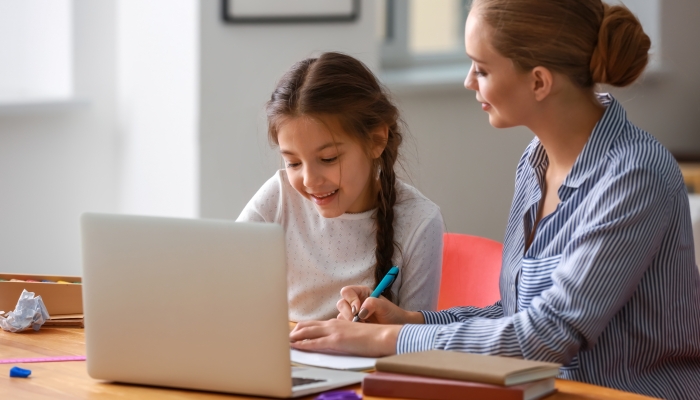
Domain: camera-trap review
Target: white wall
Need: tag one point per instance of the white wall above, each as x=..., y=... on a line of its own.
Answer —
x=239, y=66
x=56, y=165
x=667, y=104
x=459, y=161
x=157, y=55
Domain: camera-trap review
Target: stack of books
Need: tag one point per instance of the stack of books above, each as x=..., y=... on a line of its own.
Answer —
x=449, y=375
x=65, y=320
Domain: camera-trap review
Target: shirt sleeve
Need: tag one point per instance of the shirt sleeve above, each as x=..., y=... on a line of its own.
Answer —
x=598, y=272
x=422, y=265
x=266, y=204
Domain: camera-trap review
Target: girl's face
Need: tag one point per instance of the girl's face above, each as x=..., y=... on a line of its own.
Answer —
x=503, y=91
x=326, y=166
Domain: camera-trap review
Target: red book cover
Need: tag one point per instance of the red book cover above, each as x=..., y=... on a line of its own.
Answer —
x=383, y=384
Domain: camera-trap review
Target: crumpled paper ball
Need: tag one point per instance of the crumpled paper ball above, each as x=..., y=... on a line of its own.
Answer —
x=30, y=311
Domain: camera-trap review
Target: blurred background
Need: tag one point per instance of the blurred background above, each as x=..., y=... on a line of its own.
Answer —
x=155, y=107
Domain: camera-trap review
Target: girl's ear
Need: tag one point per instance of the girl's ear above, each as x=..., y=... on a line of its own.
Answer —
x=380, y=136
x=542, y=81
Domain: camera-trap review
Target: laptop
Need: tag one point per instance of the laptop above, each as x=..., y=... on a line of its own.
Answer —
x=192, y=304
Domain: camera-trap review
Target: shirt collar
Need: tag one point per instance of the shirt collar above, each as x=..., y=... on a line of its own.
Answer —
x=604, y=133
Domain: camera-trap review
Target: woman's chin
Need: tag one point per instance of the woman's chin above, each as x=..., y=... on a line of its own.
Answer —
x=499, y=123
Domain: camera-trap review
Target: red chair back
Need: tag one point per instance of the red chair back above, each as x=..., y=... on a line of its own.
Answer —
x=471, y=267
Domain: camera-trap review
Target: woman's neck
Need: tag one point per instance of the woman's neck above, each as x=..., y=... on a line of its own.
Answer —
x=563, y=126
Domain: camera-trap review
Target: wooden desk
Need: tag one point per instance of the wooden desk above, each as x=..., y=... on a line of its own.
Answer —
x=69, y=380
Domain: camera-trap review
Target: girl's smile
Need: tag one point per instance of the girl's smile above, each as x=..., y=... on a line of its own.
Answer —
x=323, y=199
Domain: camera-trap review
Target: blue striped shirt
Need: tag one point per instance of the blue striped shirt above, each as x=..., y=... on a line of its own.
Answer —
x=609, y=287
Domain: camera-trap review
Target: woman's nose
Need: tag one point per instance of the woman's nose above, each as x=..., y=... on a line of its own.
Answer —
x=470, y=81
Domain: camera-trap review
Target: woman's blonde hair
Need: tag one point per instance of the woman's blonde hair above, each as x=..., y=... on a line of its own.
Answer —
x=587, y=40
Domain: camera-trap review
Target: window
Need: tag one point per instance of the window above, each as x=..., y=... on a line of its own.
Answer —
x=422, y=41
x=36, y=49
x=421, y=32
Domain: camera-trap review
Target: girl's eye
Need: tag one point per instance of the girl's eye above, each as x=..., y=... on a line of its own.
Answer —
x=329, y=160
x=479, y=73
x=292, y=165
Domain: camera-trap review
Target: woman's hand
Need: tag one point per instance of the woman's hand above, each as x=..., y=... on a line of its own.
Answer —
x=337, y=336
x=357, y=300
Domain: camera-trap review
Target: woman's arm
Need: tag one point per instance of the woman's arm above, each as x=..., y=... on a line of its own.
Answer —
x=599, y=270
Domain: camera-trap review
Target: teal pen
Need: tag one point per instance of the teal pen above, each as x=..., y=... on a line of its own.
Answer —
x=388, y=279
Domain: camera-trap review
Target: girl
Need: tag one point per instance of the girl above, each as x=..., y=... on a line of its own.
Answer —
x=598, y=266
x=347, y=218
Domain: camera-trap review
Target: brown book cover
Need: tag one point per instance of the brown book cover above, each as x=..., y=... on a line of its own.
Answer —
x=383, y=384
x=495, y=370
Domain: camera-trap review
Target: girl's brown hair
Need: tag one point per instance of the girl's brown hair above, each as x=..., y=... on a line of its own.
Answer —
x=342, y=87
x=587, y=40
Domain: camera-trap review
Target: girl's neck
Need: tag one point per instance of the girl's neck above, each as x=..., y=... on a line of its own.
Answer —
x=563, y=126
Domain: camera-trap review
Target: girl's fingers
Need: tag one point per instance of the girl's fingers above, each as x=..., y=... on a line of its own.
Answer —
x=369, y=307
x=345, y=310
x=354, y=295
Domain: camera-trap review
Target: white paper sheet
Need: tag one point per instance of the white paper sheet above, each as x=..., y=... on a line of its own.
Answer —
x=348, y=363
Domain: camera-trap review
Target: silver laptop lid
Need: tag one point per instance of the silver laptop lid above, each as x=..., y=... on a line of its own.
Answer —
x=197, y=304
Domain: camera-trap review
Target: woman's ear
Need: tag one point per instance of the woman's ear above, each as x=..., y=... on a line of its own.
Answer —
x=380, y=136
x=542, y=81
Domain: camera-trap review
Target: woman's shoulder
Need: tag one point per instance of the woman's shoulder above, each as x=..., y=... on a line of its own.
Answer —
x=635, y=148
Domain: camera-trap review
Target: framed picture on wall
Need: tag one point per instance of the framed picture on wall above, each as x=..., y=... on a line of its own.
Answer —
x=271, y=11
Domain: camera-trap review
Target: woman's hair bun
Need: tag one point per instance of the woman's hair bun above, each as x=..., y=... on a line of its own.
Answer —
x=622, y=51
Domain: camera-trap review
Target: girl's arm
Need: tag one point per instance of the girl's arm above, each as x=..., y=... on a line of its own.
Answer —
x=422, y=265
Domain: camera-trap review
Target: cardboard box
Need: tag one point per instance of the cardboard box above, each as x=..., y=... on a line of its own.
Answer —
x=59, y=299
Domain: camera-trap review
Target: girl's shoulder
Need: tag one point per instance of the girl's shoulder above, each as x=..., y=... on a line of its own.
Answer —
x=411, y=202
x=276, y=198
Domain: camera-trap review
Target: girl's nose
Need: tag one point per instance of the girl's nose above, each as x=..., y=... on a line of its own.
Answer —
x=312, y=177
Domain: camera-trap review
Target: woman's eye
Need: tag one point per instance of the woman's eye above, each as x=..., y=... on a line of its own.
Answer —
x=329, y=160
x=292, y=165
x=479, y=73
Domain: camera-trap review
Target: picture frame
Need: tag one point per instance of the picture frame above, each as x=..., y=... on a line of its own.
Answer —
x=289, y=11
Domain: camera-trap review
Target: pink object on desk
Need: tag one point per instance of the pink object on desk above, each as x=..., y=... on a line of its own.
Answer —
x=41, y=359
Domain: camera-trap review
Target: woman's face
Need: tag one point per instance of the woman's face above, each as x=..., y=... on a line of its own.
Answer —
x=326, y=166
x=503, y=91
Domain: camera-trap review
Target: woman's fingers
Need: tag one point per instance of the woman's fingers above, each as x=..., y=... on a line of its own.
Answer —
x=321, y=345
x=306, y=330
x=343, y=337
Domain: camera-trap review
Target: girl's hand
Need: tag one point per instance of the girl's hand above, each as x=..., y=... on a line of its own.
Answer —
x=357, y=300
x=338, y=336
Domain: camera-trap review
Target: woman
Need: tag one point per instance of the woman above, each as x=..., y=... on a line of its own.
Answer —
x=598, y=267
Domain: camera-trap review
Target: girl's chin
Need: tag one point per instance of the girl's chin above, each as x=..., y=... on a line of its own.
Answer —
x=329, y=212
